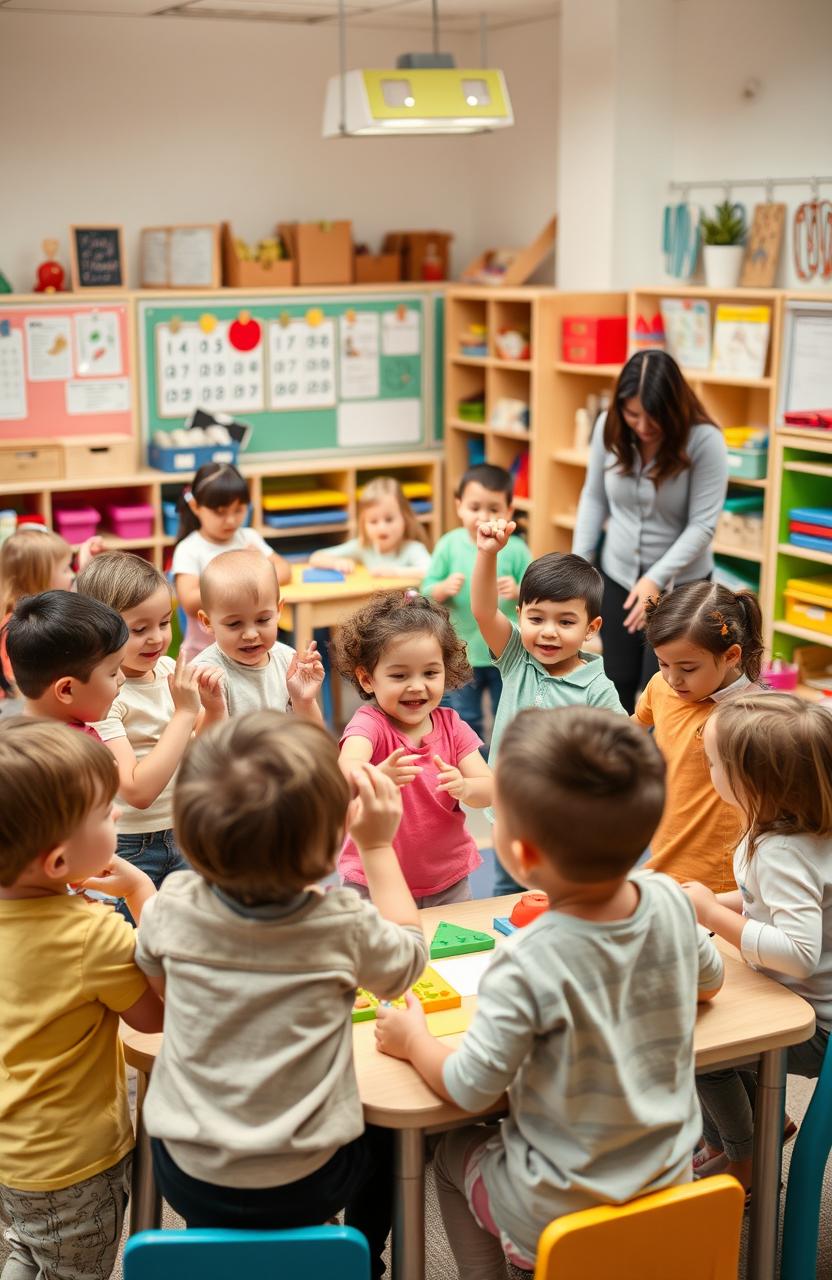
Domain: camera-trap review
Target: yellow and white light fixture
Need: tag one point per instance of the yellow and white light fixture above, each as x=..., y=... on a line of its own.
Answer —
x=426, y=93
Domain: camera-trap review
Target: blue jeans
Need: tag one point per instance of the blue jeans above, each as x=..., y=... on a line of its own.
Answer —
x=503, y=882
x=467, y=701
x=156, y=853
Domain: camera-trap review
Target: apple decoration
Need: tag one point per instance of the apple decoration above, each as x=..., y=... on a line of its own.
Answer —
x=244, y=332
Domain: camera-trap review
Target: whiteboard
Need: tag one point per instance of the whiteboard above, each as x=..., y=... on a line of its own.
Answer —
x=806, y=370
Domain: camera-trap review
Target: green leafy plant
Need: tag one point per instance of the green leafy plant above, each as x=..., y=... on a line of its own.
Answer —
x=727, y=226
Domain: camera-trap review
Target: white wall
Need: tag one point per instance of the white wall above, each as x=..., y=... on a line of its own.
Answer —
x=719, y=45
x=154, y=120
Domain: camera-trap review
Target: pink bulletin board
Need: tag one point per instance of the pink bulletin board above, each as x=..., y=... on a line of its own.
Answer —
x=65, y=369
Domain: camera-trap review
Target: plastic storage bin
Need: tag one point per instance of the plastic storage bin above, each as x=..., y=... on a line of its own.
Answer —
x=134, y=520
x=76, y=523
x=170, y=519
x=809, y=603
x=595, y=339
x=185, y=459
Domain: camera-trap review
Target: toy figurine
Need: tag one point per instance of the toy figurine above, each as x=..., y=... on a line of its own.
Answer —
x=50, y=273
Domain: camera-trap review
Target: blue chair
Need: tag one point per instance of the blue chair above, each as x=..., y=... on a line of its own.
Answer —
x=317, y=1253
x=811, y=1151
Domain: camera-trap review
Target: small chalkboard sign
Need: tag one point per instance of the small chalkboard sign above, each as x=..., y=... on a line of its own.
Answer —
x=97, y=257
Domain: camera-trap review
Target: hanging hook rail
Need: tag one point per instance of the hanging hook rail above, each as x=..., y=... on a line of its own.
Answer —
x=765, y=183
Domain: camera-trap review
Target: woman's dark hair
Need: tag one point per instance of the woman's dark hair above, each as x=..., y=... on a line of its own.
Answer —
x=216, y=484
x=361, y=640
x=712, y=617
x=656, y=379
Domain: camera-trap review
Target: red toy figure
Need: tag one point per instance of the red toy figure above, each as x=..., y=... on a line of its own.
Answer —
x=50, y=273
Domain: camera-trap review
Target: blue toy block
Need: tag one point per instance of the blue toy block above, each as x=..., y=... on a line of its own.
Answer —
x=323, y=575
x=503, y=925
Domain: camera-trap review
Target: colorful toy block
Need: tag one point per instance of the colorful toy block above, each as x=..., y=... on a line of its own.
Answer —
x=503, y=925
x=453, y=940
x=432, y=992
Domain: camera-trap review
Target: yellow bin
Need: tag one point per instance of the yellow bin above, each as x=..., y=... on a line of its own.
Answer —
x=809, y=603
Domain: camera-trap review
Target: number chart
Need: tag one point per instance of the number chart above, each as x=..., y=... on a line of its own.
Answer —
x=308, y=375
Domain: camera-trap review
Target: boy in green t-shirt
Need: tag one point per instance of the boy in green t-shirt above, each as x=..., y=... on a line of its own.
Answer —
x=483, y=494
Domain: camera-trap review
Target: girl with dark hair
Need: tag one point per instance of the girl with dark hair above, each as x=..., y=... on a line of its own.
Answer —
x=212, y=511
x=657, y=478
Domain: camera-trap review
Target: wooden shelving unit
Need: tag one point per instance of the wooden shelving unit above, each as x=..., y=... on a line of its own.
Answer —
x=146, y=485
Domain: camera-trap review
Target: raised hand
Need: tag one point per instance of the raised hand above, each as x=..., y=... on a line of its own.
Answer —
x=450, y=779
x=375, y=812
x=494, y=534
x=305, y=675
x=401, y=767
x=183, y=683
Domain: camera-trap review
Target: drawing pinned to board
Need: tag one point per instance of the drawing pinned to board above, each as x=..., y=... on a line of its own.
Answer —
x=99, y=344
x=359, y=351
x=400, y=332
x=762, y=249
x=12, y=373
x=110, y=395
x=48, y=348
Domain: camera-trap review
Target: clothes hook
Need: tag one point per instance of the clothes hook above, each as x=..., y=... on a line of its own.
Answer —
x=769, y=190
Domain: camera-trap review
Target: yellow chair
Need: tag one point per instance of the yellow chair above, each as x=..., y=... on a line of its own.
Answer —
x=683, y=1233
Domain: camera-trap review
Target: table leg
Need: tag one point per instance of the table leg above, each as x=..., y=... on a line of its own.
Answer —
x=145, y=1201
x=408, y=1248
x=769, y=1110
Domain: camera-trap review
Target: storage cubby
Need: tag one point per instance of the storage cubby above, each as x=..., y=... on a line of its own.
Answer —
x=509, y=314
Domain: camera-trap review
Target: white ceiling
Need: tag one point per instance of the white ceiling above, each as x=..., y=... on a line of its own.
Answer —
x=454, y=15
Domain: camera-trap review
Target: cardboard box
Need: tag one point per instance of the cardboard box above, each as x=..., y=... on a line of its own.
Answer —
x=511, y=267
x=87, y=456
x=377, y=268
x=322, y=251
x=238, y=273
x=414, y=246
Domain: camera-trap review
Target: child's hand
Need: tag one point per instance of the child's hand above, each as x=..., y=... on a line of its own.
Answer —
x=211, y=682
x=342, y=565
x=400, y=767
x=703, y=899
x=92, y=547
x=183, y=683
x=396, y=1028
x=450, y=779
x=645, y=589
x=494, y=534
x=507, y=587
x=452, y=585
x=305, y=675
x=119, y=879
x=374, y=815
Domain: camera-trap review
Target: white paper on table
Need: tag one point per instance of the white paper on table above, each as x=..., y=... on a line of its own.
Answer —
x=12, y=374
x=48, y=347
x=99, y=344
x=464, y=973
x=110, y=395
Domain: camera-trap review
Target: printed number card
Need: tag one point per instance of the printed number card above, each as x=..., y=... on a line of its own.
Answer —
x=302, y=361
x=12, y=373
x=210, y=364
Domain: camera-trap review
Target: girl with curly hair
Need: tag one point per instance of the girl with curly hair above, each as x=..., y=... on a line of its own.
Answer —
x=401, y=653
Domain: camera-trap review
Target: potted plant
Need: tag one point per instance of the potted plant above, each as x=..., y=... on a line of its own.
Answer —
x=723, y=241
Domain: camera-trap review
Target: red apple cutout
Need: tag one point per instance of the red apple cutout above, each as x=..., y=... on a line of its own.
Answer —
x=244, y=332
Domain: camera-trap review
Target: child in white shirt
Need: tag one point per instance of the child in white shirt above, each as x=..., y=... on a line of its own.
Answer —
x=586, y=1016
x=253, y=1104
x=770, y=756
x=240, y=608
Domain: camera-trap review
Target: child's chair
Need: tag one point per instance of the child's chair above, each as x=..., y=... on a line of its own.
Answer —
x=685, y=1232
x=811, y=1151
x=317, y=1253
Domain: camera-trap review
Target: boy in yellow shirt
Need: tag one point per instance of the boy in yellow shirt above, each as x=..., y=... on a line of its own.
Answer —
x=68, y=975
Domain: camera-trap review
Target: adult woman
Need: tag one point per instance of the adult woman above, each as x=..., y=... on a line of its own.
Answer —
x=657, y=477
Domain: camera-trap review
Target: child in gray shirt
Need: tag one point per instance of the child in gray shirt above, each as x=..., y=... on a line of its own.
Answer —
x=586, y=1016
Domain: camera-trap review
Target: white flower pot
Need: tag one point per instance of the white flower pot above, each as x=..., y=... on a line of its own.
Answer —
x=723, y=264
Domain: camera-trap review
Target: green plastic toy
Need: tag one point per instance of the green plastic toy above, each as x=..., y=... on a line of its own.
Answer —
x=452, y=940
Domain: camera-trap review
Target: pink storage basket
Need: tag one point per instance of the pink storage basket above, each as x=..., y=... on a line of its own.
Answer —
x=76, y=524
x=133, y=521
x=780, y=675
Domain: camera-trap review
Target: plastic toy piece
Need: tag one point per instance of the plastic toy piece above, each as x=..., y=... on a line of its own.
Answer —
x=431, y=990
x=323, y=575
x=528, y=908
x=503, y=925
x=453, y=940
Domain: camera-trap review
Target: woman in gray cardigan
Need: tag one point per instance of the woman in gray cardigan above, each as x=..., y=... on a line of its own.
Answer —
x=656, y=480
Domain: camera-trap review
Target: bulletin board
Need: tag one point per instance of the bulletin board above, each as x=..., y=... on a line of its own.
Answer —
x=65, y=369
x=308, y=374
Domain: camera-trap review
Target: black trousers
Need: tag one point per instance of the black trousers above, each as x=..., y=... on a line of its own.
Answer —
x=628, y=659
x=358, y=1179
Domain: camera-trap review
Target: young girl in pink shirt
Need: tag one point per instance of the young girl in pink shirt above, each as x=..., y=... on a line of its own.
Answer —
x=401, y=653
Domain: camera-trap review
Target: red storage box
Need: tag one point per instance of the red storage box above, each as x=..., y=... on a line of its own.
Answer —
x=133, y=521
x=76, y=524
x=595, y=339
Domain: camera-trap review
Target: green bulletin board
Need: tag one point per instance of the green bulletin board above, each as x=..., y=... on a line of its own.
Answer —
x=309, y=375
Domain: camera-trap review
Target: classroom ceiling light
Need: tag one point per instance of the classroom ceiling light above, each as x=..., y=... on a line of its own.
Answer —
x=424, y=94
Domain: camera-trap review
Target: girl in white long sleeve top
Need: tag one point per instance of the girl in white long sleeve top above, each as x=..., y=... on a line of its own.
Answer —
x=771, y=757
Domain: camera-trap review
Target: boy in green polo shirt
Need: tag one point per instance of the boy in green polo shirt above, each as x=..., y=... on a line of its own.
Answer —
x=484, y=493
x=540, y=657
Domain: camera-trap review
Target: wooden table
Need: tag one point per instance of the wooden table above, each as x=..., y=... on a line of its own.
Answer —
x=751, y=1020
x=307, y=605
